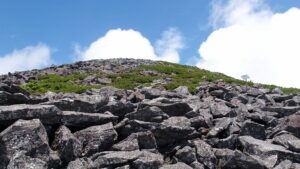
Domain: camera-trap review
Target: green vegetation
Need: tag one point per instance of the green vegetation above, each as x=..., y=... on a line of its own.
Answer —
x=181, y=75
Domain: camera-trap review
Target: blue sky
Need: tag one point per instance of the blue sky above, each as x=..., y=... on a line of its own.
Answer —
x=177, y=27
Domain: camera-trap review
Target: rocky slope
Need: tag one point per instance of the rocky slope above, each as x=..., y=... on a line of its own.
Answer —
x=219, y=125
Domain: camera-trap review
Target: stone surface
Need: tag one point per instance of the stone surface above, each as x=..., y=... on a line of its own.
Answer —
x=255, y=130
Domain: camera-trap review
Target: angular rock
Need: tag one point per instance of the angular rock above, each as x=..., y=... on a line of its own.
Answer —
x=67, y=145
x=292, y=124
x=118, y=108
x=96, y=138
x=30, y=137
x=178, y=165
x=283, y=111
x=219, y=110
x=234, y=159
x=114, y=158
x=48, y=114
x=15, y=98
x=148, y=160
x=221, y=128
x=80, y=119
x=20, y=160
x=151, y=114
x=283, y=139
x=186, y=155
x=286, y=164
x=294, y=145
x=80, y=103
x=205, y=154
x=253, y=129
x=184, y=90
x=270, y=154
x=81, y=163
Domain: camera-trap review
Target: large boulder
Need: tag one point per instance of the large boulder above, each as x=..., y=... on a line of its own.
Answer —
x=20, y=160
x=67, y=145
x=270, y=154
x=48, y=114
x=151, y=114
x=291, y=124
x=148, y=160
x=80, y=103
x=253, y=129
x=205, y=154
x=96, y=138
x=30, y=137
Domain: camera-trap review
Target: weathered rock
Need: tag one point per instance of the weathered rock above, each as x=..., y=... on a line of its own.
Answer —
x=186, y=155
x=234, y=159
x=114, y=158
x=96, y=138
x=253, y=129
x=219, y=110
x=221, y=128
x=20, y=160
x=80, y=119
x=294, y=145
x=270, y=154
x=182, y=90
x=286, y=164
x=30, y=137
x=81, y=103
x=148, y=160
x=169, y=107
x=118, y=108
x=48, y=114
x=81, y=163
x=292, y=124
x=282, y=111
x=15, y=98
x=283, y=139
x=67, y=145
x=178, y=165
x=205, y=154
x=151, y=114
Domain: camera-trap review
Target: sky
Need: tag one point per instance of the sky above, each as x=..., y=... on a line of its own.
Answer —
x=256, y=37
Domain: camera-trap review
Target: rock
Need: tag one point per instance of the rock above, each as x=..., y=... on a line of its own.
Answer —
x=253, y=129
x=270, y=154
x=197, y=165
x=30, y=137
x=292, y=124
x=96, y=138
x=114, y=158
x=186, y=155
x=219, y=110
x=136, y=97
x=131, y=143
x=118, y=108
x=20, y=160
x=178, y=165
x=80, y=103
x=229, y=142
x=81, y=163
x=80, y=119
x=283, y=111
x=151, y=114
x=169, y=107
x=221, y=128
x=67, y=145
x=183, y=90
x=234, y=159
x=148, y=160
x=48, y=114
x=16, y=98
x=177, y=121
x=205, y=154
x=283, y=139
x=286, y=164
x=294, y=145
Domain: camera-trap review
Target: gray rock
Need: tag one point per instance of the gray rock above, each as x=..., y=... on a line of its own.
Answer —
x=178, y=165
x=20, y=160
x=96, y=138
x=184, y=90
x=221, y=126
x=81, y=163
x=114, y=158
x=219, y=110
x=30, y=137
x=118, y=108
x=286, y=164
x=234, y=159
x=151, y=114
x=197, y=165
x=282, y=111
x=48, y=114
x=80, y=119
x=253, y=129
x=67, y=145
x=205, y=154
x=292, y=124
x=270, y=154
x=283, y=139
x=15, y=98
x=80, y=103
x=148, y=160
x=186, y=155
x=294, y=145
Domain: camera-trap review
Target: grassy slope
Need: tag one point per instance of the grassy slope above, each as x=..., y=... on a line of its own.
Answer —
x=181, y=75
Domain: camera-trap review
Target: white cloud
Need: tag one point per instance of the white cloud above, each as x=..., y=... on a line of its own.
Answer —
x=252, y=39
x=30, y=57
x=118, y=43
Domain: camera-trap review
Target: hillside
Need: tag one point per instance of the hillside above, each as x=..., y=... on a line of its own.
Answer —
x=141, y=114
x=120, y=73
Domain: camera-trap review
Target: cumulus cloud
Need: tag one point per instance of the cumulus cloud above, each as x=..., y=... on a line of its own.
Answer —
x=252, y=39
x=119, y=43
x=30, y=57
